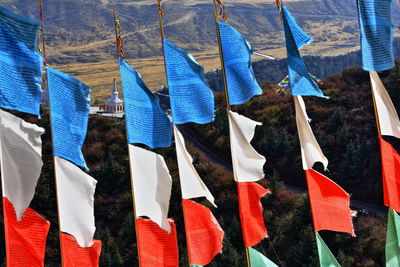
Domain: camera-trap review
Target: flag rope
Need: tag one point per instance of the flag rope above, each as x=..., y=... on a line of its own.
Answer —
x=41, y=16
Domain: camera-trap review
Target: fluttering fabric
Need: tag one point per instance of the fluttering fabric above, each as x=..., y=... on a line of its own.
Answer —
x=191, y=183
x=69, y=111
x=20, y=63
x=330, y=204
x=146, y=122
x=191, y=99
x=25, y=239
x=374, y=17
x=75, y=191
x=203, y=233
x=390, y=175
x=247, y=163
x=392, y=247
x=152, y=185
x=389, y=122
x=259, y=260
x=310, y=149
x=237, y=52
x=156, y=246
x=250, y=211
x=73, y=255
x=301, y=83
x=326, y=258
x=21, y=160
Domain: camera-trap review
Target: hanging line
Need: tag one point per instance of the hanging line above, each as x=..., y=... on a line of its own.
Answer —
x=41, y=16
x=222, y=10
x=264, y=55
x=160, y=20
x=279, y=6
x=119, y=43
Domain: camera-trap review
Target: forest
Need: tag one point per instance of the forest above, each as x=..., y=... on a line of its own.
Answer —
x=344, y=125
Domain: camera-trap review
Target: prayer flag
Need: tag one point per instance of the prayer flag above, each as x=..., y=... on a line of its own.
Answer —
x=73, y=255
x=330, y=204
x=191, y=99
x=251, y=212
x=247, y=163
x=69, y=111
x=152, y=185
x=20, y=63
x=326, y=258
x=392, y=247
x=237, y=52
x=146, y=122
x=259, y=260
x=203, y=232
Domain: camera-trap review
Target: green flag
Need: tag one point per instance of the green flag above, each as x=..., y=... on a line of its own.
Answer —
x=326, y=258
x=392, y=248
x=259, y=260
x=194, y=265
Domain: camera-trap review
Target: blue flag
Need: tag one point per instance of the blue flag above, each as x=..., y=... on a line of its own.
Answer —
x=301, y=83
x=374, y=17
x=146, y=122
x=69, y=111
x=242, y=84
x=20, y=63
x=191, y=99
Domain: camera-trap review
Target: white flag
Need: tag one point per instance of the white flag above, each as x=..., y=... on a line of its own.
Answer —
x=310, y=150
x=75, y=190
x=247, y=163
x=21, y=160
x=152, y=185
x=191, y=183
x=388, y=119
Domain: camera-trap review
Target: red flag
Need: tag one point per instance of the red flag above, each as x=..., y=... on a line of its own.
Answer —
x=25, y=239
x=251, y=212
x=74, y=255
x=390, y=175
x=203, y=232
x=330, y=204
x=156, y=246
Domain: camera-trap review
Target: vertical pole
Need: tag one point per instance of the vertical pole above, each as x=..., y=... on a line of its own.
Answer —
x=118, y=47
x=51, y=130
x=160, y=20
x=223, y=71
x=376, y=113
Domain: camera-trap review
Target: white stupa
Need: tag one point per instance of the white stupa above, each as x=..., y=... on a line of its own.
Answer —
x=113, y=104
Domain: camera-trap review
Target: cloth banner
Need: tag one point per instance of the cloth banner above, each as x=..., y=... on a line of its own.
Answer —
x=389, y=122
x=310, y=149
x=374, y=17
x=191, y=183
x=20, y=63
x=251, y=212
x=301, y=83
x=21, y=160
x=25, y=239
x=146, y=122
x=259, y=260
x=247, y=163
x=69, y=111
x=237, y=52
x=156, y=246
x=152, y=185
x=203, y=232
x=73, y=255
x=392, y=247
x=191, y=99
x=330, y=204
x=75, y=191
x=390, y=175
x=326, y=258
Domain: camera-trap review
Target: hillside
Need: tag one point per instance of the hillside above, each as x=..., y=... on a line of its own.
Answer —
x=344, y=126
